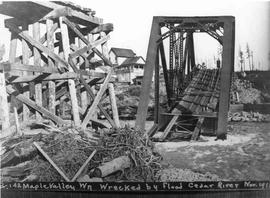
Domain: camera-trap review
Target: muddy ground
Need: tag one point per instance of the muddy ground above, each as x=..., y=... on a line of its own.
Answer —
x=245, y=155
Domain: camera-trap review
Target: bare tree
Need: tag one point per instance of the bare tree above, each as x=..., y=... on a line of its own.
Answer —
x=248, y=52
x=241, y=59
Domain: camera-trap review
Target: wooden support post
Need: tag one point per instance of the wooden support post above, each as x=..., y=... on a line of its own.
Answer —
x=12, y=57
x=225, y=78
x=51, y=84
x=25, y=60
x=71, y=83
x=17, y=123
x=113, y=105
x=196, y=132
x=4, y=108
x=84, y=99
x=37, y=62
x=148, y=75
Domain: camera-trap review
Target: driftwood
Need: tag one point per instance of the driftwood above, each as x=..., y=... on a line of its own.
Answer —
x=18, y=171
x=20, y=153
x=108, y=168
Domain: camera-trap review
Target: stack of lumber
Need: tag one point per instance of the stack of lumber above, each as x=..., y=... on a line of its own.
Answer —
x=47, y=153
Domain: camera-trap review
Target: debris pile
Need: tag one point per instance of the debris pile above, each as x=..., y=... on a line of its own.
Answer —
x=248, y=117
x=116, y=155
x=247, y=93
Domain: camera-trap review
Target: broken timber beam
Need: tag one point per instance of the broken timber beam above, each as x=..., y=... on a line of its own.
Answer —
x=196, y=132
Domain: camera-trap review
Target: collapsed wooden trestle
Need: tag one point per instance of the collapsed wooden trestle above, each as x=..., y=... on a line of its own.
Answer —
x=63, y=60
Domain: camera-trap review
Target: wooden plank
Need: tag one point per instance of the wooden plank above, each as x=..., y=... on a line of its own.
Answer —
x=113, y=105
x=196, y=132
x=51, y=162
x=38, y=45
x=32, y=104
x=13, y=47
x=169, y=127
x=148, y=74
x=85, y=19
x=71, y=83
x=7, y=66
x=25, y=60
x=4, y=108
x=18, y=129
x=202, y=114
x=37, y=62
x=84, y=99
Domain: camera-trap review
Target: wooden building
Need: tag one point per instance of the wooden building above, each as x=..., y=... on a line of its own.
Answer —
x=119, y=55
x=130, y=69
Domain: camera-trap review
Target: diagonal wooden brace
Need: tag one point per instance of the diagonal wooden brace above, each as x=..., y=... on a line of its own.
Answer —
x=88, y=89
x=38, y=45
x=101, y=91
x=81, y=51
x=32, y=104
x=75, y=29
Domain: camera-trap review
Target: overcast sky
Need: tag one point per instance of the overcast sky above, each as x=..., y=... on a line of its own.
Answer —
x=132, y=23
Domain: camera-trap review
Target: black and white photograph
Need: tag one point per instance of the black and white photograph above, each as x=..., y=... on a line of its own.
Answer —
x=135, y=98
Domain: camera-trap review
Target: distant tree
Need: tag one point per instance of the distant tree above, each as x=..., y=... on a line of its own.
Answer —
x=248, y=52
x=241, y=59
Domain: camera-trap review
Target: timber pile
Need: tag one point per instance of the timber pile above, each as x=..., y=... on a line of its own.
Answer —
x=69, y=154
x=244, y=116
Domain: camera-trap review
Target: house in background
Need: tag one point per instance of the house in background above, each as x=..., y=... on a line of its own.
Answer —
x=128, y=66
x=119, y=55
x=130, y=69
